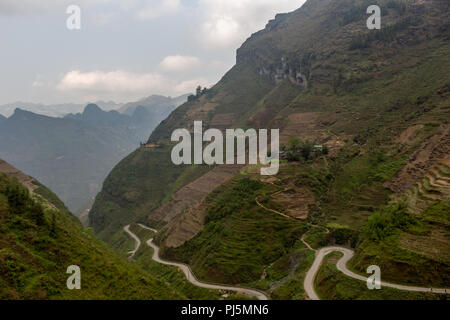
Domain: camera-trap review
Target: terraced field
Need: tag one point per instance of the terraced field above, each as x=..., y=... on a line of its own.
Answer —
x=433, y=187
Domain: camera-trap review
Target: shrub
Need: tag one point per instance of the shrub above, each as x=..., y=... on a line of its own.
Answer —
x=388, y=222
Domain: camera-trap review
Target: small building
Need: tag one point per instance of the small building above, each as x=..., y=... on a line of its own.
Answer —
x=149, y=146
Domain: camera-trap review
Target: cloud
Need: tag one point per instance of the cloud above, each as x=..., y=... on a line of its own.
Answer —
x=209, y=29
x=179, y=63
x=114, y=81
x=156, y=8
x=227, y=23
x=221, y=31
x=122, y=85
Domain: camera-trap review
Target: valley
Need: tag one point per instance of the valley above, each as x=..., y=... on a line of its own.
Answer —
x=175, y=205
x=73, y=154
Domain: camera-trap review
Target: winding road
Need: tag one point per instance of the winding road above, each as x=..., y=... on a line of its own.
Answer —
x=342, y=266
x=137, y=244
x=308, y=282
x=187, y=270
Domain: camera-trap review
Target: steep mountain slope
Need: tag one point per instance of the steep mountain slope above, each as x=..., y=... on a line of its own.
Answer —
x=40, y=239
x=379, y=101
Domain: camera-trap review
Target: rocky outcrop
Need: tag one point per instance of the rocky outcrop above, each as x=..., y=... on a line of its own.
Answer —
x=284, y=71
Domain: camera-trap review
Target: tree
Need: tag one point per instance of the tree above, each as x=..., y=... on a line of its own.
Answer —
x=199, y=91
x=306, y=149
x=292, y=149
x=297, y=149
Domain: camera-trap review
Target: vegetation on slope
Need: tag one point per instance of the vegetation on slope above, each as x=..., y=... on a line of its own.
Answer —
x=172, y=276
x=39, y=243
x=239, y=238
x=407, y=247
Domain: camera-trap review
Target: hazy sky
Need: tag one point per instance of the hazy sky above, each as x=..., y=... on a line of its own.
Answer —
x=125, y=50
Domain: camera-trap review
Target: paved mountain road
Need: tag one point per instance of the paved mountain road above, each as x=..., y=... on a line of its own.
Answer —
x=135, y=238
x=308, y=282
x=342, y=266
x=187, y=270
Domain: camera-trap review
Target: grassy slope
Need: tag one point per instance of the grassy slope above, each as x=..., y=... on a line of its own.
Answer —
x=240, y=239
x=38, y=244
x=385, y=243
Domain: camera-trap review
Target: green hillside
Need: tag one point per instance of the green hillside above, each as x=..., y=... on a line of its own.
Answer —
x=40, y=239
x=378, y=100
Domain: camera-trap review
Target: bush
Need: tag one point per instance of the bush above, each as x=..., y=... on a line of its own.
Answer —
x=388, y=222
x=297, y=149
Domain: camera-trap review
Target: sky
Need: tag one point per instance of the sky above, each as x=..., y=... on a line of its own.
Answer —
x=125, y=49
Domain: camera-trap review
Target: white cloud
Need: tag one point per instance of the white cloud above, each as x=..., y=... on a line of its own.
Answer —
x=156, y=8
x=179, y=63
x=221, y=31
x=123, y=85
x=114, y=81
x=227, y=23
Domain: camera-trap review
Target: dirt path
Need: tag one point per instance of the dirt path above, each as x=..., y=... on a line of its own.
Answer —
x=187, y=270
x=306, y=243
x=271, y=210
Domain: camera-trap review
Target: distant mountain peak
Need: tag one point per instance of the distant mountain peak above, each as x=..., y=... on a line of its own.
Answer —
x=153, y=101
x=91, y=107
x=20, y=114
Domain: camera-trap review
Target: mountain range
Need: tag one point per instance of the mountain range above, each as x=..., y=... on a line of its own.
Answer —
x=54, y=110
x=73, y=154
